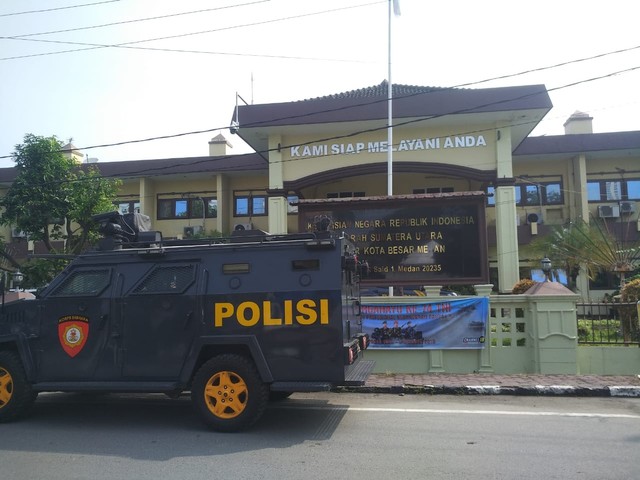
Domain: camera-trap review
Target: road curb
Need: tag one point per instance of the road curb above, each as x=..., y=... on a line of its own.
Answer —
x=535, y=390
x=625, y=391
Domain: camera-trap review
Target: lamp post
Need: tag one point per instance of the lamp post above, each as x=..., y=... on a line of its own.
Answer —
x=546, y=268
x=18, y=277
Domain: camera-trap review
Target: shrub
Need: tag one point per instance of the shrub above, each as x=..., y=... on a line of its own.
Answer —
x=630, y=294
x=522, y=286
x=631, y=291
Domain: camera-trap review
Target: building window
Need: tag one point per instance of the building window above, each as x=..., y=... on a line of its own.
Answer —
x=613, y=190
x=211, y=205
x=552, y=194
x=531, y=195
x=174, y=208
x=345, y=194
x=249, y=205
x=528, y=194
x=128, y=206
x=433, y=190
x=491, y=196
x=604, y=280
x=292, y=209
x=593, y=191
x=633, y=189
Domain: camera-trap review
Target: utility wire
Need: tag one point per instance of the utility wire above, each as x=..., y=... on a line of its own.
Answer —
x=147, y=171
x=124, y=22
x=163, y=137
x=95, y=46
x=607, y=75
x=57, y=8
x=351, y=134
x=92, y=46
x=208, y=160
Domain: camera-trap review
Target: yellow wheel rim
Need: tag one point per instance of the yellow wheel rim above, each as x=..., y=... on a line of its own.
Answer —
x=226, y=395
x=6, y=387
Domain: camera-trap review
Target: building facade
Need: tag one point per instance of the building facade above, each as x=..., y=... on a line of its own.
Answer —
x=443, y=141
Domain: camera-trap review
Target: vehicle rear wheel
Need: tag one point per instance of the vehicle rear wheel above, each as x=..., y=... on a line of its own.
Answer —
x=228, y=393
x=16, y=395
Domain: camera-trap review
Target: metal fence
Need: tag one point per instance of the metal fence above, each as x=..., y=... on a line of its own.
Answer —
x=607, y=323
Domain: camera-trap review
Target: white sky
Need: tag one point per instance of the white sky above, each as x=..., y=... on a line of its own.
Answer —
x=108, y=95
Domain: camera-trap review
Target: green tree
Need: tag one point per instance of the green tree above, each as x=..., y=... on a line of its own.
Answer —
x=53, y=198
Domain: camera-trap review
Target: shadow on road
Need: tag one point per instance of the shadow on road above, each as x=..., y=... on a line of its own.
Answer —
x=155, y=427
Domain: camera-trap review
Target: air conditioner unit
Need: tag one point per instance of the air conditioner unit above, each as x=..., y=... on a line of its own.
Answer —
x=192, y=231
x=15, y=233
x=243, y=226
x=608, y=211
x=534, y=218
x=627, y=208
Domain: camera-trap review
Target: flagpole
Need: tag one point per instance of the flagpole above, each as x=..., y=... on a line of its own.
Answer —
x=389, y=111
x=394, y=7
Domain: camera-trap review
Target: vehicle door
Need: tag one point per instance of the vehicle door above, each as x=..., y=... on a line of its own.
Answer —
x=160, y=316
x=74, y=327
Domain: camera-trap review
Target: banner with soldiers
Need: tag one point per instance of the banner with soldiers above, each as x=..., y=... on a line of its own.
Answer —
x=438, y=324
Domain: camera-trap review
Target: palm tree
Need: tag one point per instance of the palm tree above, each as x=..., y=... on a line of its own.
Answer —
x=593, y=245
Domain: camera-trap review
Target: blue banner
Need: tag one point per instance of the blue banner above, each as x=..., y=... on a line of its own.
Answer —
x=439, y=324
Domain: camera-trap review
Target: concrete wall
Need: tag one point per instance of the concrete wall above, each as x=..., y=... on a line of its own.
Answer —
x=609, y=360
x=525, y=334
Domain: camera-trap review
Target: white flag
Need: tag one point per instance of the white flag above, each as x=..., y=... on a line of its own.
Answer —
x=396, y=8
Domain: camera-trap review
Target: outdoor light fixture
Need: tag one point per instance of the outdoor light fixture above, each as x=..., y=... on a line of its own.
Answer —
x=546, y=268
x=18, y=277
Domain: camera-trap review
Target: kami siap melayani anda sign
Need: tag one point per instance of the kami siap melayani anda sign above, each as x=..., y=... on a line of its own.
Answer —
x=448, y=324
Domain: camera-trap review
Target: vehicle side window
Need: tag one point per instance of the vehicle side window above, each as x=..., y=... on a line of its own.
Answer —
x=84, y=282
x=166, y=279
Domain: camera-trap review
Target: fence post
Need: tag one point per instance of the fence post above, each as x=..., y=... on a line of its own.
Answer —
x=555, y=330
x=486, y=365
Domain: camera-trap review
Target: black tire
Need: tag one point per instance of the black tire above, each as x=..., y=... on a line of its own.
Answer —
x=16, y=395
x=228, y=393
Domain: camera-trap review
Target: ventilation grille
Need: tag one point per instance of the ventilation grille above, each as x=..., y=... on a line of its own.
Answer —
x=84, y=282
x=167, y=279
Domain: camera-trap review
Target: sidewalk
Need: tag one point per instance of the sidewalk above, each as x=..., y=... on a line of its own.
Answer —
x=491, y=384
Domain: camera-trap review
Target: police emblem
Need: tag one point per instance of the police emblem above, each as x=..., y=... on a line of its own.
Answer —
x=73, y=331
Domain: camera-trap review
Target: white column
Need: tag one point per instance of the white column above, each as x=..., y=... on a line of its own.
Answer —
x=277, y=205
x=506, y=226
x=225, y=204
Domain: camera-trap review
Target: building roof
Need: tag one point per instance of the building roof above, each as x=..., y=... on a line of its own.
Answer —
x=385, y=198
x=588, y=143
x=521, y=106
x=70, y=147
x=228, y=164
x=381, y=90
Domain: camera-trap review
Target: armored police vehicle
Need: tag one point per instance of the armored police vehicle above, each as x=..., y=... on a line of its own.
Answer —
x=235, y=321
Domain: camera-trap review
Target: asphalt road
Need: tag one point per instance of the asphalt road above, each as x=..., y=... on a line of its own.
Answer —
x=328, y=436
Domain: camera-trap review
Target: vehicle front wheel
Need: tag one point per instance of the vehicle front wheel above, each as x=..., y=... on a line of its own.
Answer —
x=16, y=395
x=228, y=393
